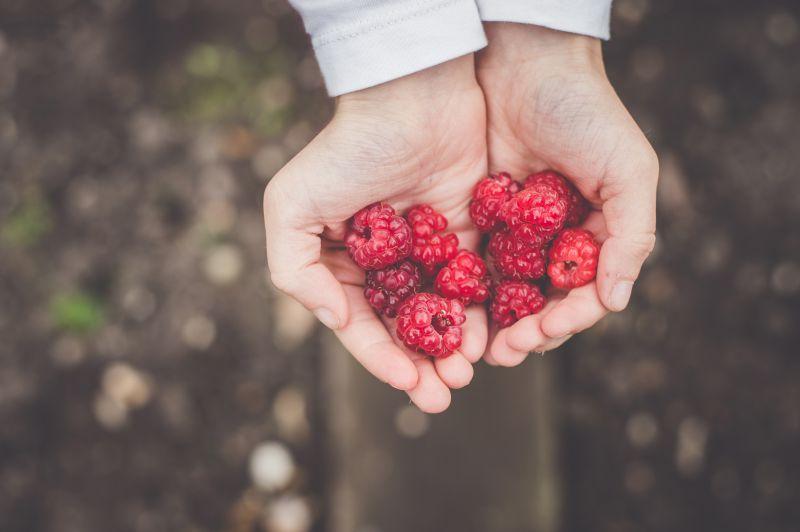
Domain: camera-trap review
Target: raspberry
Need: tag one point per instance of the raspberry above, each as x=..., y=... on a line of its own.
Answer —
x=431, y=324
x=465, y=277
x=514, y=300
x=536, y=213
x=386, y=289
x=377, y=237
x=489, y=196
x=573, y=259
x=578, y=206
x=515, y=259
x=430, y=247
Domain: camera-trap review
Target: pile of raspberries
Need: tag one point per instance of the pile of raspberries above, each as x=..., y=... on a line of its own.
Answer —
x=416, y=273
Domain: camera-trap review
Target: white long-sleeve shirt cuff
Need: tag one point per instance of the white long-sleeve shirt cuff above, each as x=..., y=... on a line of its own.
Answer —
x=587, y=17
x=362, y=43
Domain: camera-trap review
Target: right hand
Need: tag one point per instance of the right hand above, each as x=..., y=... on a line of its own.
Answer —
x=417, y=139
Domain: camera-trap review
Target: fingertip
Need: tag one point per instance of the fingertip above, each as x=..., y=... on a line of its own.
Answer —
x=455, y=371
x=620, y=295
x=504, y=354
x=435, y=404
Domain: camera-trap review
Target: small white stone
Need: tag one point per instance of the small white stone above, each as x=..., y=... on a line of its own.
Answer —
x=691, y=446
x=288, y=514
x=126, y=386
x=224, y=264
x=199, y=332
x=642, y=429
x=411, y=422
x=271, y=466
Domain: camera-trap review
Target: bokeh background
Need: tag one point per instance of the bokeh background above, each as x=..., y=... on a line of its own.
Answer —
x=151, y=379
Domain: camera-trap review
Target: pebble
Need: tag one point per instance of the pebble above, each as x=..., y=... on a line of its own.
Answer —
x=224, y=264
x=288, y=514
x=271, y=466
x=411, y=422
x=199, y=332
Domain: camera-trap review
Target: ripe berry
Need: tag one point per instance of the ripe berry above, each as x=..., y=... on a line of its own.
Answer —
x=465, y=277
x=578, y=206
x=431, y=324
x=430, y=247
x=536, y=213
x=514, y=300
x=515, y=259
x=386, y=289
x=573, y=259
x=377, y=237
x=488, y=197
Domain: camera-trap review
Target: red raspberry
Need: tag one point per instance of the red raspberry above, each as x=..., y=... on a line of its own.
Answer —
x=386, y=289
x=573, y=258
x=377, y=237
x=578, y=206
x=489, y=196
x=465, y=277
x=515, y=259
x=535, y=214
x=514, y=300
x=431, y=324
x=430, y=247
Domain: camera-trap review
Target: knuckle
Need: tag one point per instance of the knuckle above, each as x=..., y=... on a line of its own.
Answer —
x=643, y=245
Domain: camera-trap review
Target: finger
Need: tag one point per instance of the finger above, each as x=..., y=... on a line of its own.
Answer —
x=431, y=395
x=455, y=370
x=526, y=334
x=504, y=354
x=293, y=254
x=578, y=310
x=366, y=337
x=629, y=207
x=475, y=333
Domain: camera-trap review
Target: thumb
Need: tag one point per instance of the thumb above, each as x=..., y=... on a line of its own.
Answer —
x=293, y=254
x=629, y=208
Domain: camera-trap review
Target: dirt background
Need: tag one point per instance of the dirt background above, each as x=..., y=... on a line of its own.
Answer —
x=151, y=380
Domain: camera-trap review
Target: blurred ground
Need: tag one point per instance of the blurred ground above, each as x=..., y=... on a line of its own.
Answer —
x=151, y=380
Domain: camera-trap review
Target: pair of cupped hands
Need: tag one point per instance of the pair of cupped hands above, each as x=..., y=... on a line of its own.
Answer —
x=533, y=99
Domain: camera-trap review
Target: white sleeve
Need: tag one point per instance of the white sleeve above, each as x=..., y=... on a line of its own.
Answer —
x=587, y=17
x=361, y=43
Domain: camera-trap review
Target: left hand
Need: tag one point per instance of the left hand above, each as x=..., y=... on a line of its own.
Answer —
x=550, y=105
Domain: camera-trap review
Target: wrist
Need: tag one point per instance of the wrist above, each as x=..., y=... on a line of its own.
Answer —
x=421, y=89
x=527, y=45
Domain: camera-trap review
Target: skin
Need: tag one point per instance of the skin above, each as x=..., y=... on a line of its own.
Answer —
x=534, y=99
x=550, y=105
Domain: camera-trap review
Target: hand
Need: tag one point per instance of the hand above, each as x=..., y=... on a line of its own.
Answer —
x=418, y=139
x=550, y=105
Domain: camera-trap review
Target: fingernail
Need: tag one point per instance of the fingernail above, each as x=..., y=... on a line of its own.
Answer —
x=620, y=295
x=327, y=318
